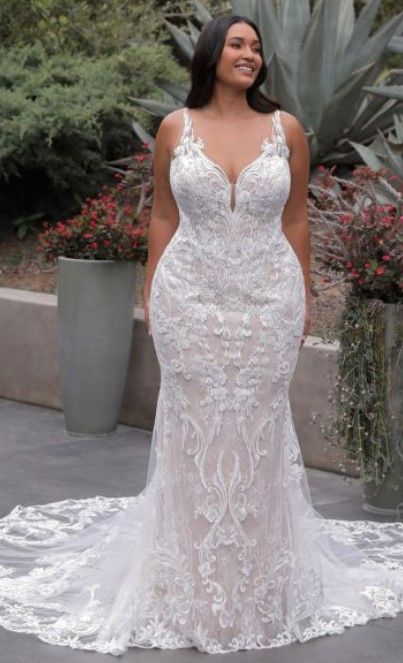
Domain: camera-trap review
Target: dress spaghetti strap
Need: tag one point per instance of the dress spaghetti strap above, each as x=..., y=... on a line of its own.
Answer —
x=280, y=134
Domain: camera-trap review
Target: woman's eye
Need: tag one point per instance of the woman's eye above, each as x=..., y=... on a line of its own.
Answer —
x=257, y=49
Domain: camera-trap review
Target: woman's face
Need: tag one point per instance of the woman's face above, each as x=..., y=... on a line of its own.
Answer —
x=240, y=59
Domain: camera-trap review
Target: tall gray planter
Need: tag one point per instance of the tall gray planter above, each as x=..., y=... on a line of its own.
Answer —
x=95, y=314
x=387, y=498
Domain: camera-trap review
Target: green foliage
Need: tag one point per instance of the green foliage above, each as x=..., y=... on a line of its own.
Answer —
x=362, y=423
x=85, y=26
x=92, y=27
x=62, y=117
x=26, y=224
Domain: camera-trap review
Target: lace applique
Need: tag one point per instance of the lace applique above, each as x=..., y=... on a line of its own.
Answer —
x=223, y=550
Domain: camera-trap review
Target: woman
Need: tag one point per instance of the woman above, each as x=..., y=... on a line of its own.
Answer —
x=223, y=550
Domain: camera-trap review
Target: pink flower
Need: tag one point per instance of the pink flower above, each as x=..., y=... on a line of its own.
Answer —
x=379, y=271
x=346, y=218
x=386, y=258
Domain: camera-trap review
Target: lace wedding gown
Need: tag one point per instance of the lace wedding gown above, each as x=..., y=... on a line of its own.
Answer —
x=223, y=550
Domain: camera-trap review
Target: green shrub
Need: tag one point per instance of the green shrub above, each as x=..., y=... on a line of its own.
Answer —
x=89, y=27
x=63, y=116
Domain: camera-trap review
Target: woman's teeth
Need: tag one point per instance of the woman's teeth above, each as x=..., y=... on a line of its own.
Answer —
x=249, y=70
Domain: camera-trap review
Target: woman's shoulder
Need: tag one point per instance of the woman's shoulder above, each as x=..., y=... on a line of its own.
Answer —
x=173, y=118
x=293, y=129
x=170, y=129
x=290, y=122
x=171, y=122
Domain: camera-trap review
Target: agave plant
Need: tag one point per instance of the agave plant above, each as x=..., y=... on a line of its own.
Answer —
x=386, y=151
x=319, y=63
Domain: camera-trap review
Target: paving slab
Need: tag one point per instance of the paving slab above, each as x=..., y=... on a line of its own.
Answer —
x=40, y=462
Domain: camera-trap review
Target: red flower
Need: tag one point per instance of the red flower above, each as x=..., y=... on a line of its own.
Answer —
x=346, y=218
x=379, y=271
x=386, y=258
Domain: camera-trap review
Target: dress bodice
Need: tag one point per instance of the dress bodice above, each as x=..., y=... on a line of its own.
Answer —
x=203, y=191
x=232, y=253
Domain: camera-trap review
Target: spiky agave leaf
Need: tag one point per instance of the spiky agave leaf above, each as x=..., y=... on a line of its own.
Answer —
x=395, y=45
x=386, y=152
x=391, y=91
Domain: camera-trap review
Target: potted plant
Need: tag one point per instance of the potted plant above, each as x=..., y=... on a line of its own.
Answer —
x=358, y=241
x=96, y=252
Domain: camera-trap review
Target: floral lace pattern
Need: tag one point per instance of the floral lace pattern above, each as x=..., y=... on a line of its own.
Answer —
x=223, y=550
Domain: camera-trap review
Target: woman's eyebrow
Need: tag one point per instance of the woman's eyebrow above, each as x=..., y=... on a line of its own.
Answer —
x=255, y=41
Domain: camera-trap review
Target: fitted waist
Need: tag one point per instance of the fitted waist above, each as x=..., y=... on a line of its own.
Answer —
x=232, y=245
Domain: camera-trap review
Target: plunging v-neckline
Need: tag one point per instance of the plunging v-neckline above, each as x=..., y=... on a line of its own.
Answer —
x=267, y=140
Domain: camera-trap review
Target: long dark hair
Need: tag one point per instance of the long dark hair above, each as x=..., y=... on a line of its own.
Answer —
x=208, y=51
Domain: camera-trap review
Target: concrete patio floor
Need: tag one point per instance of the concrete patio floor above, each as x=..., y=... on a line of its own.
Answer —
x=40, y=462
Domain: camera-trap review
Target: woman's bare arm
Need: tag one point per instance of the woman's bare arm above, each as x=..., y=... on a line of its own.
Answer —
x=295, y=215
x=164, y=217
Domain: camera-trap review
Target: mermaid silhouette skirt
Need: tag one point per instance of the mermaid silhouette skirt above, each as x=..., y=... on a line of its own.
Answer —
x=223, y=549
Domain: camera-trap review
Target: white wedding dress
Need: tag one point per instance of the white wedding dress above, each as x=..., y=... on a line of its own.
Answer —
x=223, y=549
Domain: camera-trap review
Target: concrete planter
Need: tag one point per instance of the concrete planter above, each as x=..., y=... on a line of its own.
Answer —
x=387, y=498
x=95, y=325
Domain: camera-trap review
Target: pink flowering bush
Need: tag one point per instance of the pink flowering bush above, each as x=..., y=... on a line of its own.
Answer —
x=108, y=226
x=356, y=238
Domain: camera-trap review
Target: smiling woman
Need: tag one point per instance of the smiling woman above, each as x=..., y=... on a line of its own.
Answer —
x=223, y=550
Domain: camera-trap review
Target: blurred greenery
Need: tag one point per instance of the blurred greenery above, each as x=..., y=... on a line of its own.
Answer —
x=67, y=70
x=63, y=116
x=92, y=27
